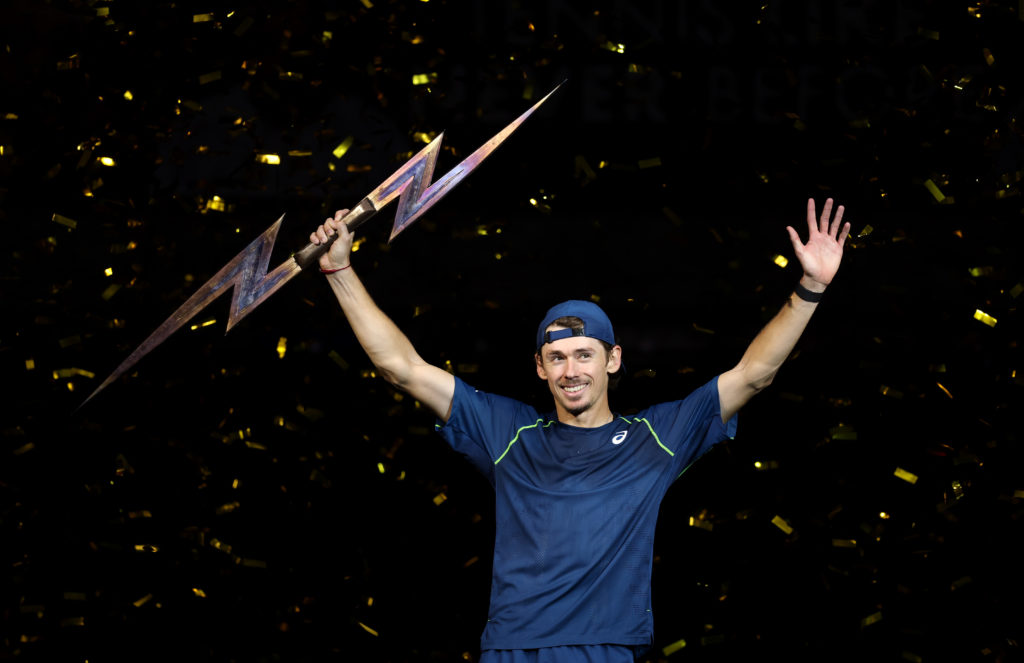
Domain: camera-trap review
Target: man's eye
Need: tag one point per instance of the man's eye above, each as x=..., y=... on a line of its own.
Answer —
x=585, y=355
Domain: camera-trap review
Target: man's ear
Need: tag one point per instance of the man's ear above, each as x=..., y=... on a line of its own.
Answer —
x=614, y=358
x=541, y=373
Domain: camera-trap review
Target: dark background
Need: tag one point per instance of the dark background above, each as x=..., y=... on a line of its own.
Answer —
x=222, y=502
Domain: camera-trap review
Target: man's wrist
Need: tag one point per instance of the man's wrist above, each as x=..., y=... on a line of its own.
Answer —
x=809, y=290
x=334, y=270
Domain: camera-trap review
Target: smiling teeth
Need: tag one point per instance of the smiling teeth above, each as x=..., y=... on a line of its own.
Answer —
x=574, y=389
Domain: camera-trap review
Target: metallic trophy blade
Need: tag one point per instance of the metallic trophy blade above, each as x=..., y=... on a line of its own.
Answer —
x=247, y=272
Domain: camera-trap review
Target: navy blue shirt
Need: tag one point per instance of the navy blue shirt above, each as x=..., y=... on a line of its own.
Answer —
x=575, y=512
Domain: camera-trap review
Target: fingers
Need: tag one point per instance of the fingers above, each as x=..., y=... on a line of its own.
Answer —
x=837, y=222
x=795, y=239
x=329, y=228
x=845, y=233
x=812, y=223
x=826, y=212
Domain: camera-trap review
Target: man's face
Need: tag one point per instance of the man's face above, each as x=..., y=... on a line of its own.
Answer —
x=576, y=370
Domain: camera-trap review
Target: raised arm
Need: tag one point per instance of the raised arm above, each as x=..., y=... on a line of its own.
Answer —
x=388, y=348
x=820, y=258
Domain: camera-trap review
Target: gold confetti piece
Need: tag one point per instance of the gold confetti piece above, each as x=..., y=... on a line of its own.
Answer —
x=989, y=58
x=440, y=499
x=424, y=136
x=210, y=77
x=144, y=513
x=866, y=231
x=1018, y=493
x=226, y=508
x=984, y=317
x=884, y=516
x=282, y=347
x=945, y=391
x=270, y=159
x=701, y=523
x=25, y=448
x=254, y=563
x=73, y=621
x=65, y=221
x=911, y=656
x=110, y=291
x=368, y=629
x=138, y=603
x=198, y=592
x=889, y=391
x=843, y=432
x=343, y=147
x=74, y=596
x=871, y=619
x=844, y=543
x=780, y=260
x=909, y=477
x=614, y=47
x=980, y=271
x=10, y=116
x=668, y=650
x=934, y=190
x=649, y=163
x=957, y=584
x=202, y=18
x=380, y=468
x=68, y=341
x=369, y=601
x=128, y=96
x=928, y=34
x=217, y=204
x=30, y=364
x=766, y=465
x=255, y=445
x=781, y=523
x=424, y=79
x=102, y=11
x=107, y=161
x=145, y=547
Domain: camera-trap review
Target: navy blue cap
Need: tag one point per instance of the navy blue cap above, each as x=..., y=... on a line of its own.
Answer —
x=595, y=323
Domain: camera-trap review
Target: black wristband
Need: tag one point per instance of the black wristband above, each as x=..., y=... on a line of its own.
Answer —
x=807, y=295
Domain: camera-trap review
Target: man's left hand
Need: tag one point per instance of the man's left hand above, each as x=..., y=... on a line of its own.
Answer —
x=821, y=255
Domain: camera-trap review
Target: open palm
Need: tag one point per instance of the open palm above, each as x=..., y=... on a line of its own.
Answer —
x=821, y=255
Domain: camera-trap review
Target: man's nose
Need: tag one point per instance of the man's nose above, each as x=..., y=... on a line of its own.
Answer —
x=570, y=367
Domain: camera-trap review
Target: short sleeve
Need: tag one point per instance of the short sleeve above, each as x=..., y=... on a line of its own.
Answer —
x=482, y=425
x=690, y=427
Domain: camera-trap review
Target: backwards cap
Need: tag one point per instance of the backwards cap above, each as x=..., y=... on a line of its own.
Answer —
x=595, y=323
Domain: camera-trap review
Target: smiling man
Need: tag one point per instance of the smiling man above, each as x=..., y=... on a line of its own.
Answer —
x=577, y=491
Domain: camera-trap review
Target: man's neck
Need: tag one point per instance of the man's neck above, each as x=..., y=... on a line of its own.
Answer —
x=593, y=417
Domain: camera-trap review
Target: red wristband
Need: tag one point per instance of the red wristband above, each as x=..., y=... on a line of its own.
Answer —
x=331, y=271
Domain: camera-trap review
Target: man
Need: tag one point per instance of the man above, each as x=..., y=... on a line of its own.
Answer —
x=577, y=492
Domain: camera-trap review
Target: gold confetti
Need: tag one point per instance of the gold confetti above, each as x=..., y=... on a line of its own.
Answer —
x=25, y=448
x=210, y=77
x=1016, y=290
x=766, y=465
x=884, y=516
x=424, y=79
x=368, y=629
x=649, y=163
x=866, y=231
x=380, y=468
x=110, y=291
x=1018, y=493
x=912, y=657
x=984, y=317
x=65, y=221
x=30, y=364
x=871, y=619
x=944, y=390
x=73, y=621
x=128, y=96
x=107, y=161
x=957, y=584
x=889, y=391
x=909, y=477
x=989, y=58
x=203, y=324
x=198, y=592
x=780, y=260
x=934, y=190
x=843, y=432
x=145, y=547
x=202, y=18
x=439, y=499
x=668, y=650
x=844, y=543
x=282, y=347
x=217, y=204
x=614, y=47
x=254, y=563
x=270, y=159
x=781, y=523
x=343, y=147
x=138, y=603
x=701, y=523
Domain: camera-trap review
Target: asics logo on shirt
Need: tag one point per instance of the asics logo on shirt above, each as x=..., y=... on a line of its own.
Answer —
x=620, y=437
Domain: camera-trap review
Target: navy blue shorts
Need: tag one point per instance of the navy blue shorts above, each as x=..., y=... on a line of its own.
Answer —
x=564, y=654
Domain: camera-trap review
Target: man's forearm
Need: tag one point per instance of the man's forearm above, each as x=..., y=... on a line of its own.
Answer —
x=774, y=343
x=387, y=347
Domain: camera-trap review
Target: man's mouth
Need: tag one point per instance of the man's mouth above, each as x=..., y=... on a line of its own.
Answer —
x=573, y=389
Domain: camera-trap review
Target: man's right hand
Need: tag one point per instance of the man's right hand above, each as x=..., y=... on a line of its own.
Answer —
x=338, y=257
